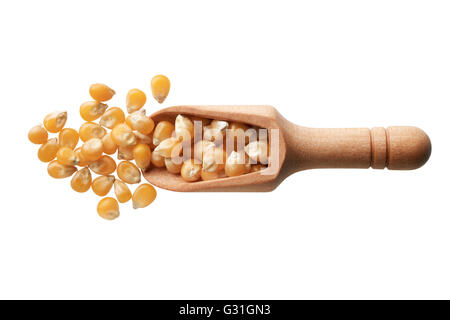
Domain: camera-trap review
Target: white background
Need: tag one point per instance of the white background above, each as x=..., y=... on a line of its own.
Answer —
x=320, y=234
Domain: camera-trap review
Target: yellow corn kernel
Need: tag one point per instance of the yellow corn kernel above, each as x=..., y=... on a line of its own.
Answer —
x=257, y=151
x=215, y=131
x=108, y=208
x=237, y=133
x=125, y=153
x=68, y=137
x=157, y=160
x=140, y=122
x=142, y=156
x=123, y=193
x=66, y=156
x=82, y=161
x=236, y=164
x=109, y=147
x=143, y=138
x=135, y=100
x=112, y=117
x=55, y=121
x=191, y=171
x=173, y=167
x=101, y=92
x=81, y=180
x=210, y=175
x=92, y=110
x=104, y=166
x=201, y=147
x=123, y=136
x=89, y=130
x=128, y=172
x=92, y=149
x=38, y=135
x=160, y=87
x=184, y=128
x=102, y=184
x=165, y=148
x=214, y=160
x=143, y=196
x=163, y=131
x=257, y=167
x=47, y=151
x=58, y=171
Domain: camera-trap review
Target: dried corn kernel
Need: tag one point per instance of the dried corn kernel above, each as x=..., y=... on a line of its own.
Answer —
x=55, y=121
x=102, y=184
x=66, y=156
x=236, y=164
x=160, y=87
x=135, y=100
x=214, y=160
x=123, y=193
x=157, y=160
x=184, y=128
x=125, y=153
x=89, y=130
x=112, y=117
x=92, y=149
x=165, y=148
x=59, y=171
x=108, y=208
x=38, y=135
x=142, y=156
x=123, y=136
x=68, y=137
x=81, y=180
x=237, y=132
x=143, y=138
x=92, y=110
x=109, y=147
x=191, y=171
x=140, y=122
x=257, y=151
x=128, y=172
x=82, y=161
x=257, y=167
x=143, y=196
x=104, y=166
x=163, y=131
x=215, y=131
x=101, y=92
x=47, y=151
x=201, y=147
x=210, y=175
x=172, y=166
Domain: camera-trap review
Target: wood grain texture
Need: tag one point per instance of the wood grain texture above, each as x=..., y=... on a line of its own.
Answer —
x=301, y=148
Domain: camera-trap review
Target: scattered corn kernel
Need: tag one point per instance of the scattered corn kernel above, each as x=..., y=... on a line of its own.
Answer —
x=109, y=147
x=66, y=156
x=89, y=130
x=68, y=137
x=257, y=151
x=236, y=164
x=102, y=184
x=143, y=138
x=59, y=171
x=140, y=122
x=128, y=172
x=104, y=166
x=112, y=117
x=142, y=156
x=108, y=208
x=163, y=131
x=123, y=136
x=101, y=92
x=38, y=135
x=92, y=110
x=191, y=171
x=135, y=100
x=92, y=149
x=47, y=151
x=160, y=87
x=172, y=166
x=157, y=160
x=55, y=121
x=184, y=128
x=123, y=193
x=125, y=153
x=82, y=161
x=81, y=180
x=143, y=196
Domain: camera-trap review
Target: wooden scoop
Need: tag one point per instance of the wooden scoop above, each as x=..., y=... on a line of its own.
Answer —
x=301, y=148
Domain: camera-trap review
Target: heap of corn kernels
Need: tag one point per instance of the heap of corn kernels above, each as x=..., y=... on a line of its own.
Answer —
x=135, y=137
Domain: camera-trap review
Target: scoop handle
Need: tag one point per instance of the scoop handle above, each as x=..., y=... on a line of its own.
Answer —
x=397, y=148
